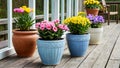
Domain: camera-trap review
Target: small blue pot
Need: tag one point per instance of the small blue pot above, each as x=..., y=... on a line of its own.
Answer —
x=78, y=44
x=50, y=51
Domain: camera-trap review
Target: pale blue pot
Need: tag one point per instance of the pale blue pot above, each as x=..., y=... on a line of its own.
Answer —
x=78, y=44
x=50, y=51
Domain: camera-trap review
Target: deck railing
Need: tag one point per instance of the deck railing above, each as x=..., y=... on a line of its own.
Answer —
x=60, y=9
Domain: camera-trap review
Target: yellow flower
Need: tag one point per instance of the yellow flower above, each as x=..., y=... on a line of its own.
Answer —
x=77, y=20
x=97, y=2
x=28, y=10
x=92, y=3
x=23, y=7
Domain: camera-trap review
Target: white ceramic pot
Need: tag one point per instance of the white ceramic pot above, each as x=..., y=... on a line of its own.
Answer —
x=96, y=35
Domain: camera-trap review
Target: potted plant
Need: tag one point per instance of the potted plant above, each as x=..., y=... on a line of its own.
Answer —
x=50, y=44
x=92, y=6
x=96, y=29
x=24, y=38
x=78, y=38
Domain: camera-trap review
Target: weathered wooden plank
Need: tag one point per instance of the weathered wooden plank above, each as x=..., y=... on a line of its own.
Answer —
x=115, y=56
x=116, y=51
x=104, y=56
x=89, y=61
x=18, y=62
x=35, y=64
x=113, y=64
x=75, y=61
x=8, y=60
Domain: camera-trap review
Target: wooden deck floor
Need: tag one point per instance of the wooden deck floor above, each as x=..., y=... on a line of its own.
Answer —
x=105, y=55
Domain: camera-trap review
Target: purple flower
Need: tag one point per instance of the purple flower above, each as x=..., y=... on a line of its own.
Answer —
x=98, y=19
x=95, y=19
x=90, y=17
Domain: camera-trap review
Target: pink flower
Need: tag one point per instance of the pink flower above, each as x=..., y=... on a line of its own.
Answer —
x=15, y=10
x=42, y=24
x=18, y=10
x=45, y=21
x=66, y=28
x=56, y=21
x=52, y=24
x=55, y=29
x=61, y=26
x=37, y=25
x=48, y=26
x=42, y=28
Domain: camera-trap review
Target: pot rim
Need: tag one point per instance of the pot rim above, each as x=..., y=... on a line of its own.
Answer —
x=93, y=9
x=79, y=34
x=32, y=31
x=50, y=40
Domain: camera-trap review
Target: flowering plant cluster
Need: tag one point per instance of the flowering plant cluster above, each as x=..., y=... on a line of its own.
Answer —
x=78, y=24
x=51, y=30
x=96, y=21
x=82, y=14
x=92, y=4
x=23, y=21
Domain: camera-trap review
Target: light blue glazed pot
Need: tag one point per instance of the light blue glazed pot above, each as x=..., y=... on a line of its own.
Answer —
x=50, y=51
x=78, y=44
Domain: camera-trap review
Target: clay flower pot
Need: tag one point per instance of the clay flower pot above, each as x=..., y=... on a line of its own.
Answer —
x=92, y=11
x=24, y=42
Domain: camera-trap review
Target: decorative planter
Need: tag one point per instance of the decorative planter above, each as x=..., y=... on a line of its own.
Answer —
x=78, y=44
x=92, y=11
x=24, y=42
x=50, y=51
x=96, y=35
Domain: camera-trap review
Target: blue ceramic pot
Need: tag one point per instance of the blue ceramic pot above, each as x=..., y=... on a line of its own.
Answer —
x=50, y=51
x=78, y=44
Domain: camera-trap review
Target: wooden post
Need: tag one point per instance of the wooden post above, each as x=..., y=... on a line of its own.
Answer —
x=76, y=7
x=62, y=9
x=9, y=14
x=72, y=8
x=55, y=9
x=68, y=8
x=46, y=9
x=32, y=5
x=80, y=3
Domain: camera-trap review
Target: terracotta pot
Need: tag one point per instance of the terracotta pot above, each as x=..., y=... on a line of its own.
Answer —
x=24, y=42
x=92, y=11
